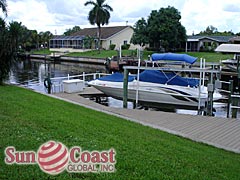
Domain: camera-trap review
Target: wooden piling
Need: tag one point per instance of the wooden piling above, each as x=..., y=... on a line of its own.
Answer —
x=229, y=97
x=125, y=89
x=235, y=99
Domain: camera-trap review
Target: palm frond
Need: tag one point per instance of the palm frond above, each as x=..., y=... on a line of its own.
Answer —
x=90, y=3
x=3, y=6
x=106, y=6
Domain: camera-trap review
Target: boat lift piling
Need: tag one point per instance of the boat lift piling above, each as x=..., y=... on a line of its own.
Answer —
x=200, y=70
x=138, y=73
x=125, y=89
x=211, y=88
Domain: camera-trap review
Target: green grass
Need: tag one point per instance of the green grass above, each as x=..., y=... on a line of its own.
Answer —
x=28, y=119
x=108, y=53
x=209, y=56
x=42, y=51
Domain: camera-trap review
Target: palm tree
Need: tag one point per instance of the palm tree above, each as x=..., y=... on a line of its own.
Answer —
x=99, y=15
x=3, y=6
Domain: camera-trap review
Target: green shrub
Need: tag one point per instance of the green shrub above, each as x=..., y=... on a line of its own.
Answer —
x=112, y=46
x=125, y=46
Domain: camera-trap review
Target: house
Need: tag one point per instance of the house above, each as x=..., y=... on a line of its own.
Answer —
x=207, y=43
x=87, y=39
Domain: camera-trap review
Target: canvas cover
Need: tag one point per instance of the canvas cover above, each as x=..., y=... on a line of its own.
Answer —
x=170, y=78
x=174, y=57
x=155, y=76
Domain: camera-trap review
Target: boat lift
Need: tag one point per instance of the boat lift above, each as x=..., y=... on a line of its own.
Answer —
x=202, y=71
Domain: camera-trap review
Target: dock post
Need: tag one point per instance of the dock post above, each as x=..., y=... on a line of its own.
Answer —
x=84, y=79
x=229, y=97
x=210, y=95
x=235, y=99
x=125, y=89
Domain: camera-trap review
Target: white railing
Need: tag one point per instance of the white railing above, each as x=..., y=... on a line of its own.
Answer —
x=57, y=82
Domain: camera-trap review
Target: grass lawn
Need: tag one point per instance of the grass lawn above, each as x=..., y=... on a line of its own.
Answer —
x=109, y=53
x=28, y=120
x=42, y=51
x=209, y=56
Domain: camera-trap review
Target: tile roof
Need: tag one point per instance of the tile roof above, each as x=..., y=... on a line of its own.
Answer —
x=106, y=31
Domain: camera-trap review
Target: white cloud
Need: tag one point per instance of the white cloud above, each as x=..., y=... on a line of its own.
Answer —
x=197, y=15
x=59, y=15
x=33, y=14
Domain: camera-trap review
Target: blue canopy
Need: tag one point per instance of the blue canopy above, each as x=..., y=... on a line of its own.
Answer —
x=155, y=76
x=170, y=78
x=174, y=57
x=116, y=77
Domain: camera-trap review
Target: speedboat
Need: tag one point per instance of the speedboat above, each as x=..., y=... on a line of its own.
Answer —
x=156, y=88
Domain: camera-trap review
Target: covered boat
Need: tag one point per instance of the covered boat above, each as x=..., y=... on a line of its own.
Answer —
x=157, y=88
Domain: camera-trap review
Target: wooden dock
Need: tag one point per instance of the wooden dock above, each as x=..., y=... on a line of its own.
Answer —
x=219, y=132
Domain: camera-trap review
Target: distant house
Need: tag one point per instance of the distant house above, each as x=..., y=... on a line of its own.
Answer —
x=205, y=43
x=87, y=38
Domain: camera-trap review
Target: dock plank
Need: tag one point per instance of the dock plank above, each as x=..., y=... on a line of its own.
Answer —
x=219, y=132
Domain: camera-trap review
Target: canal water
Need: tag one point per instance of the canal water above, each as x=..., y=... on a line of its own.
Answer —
x=31, y=74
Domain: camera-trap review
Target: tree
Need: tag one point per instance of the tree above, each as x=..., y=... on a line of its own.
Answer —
x=7, y=50
x=88, y=42
x=3, y=6
x=165, y=30
x=44, y=38
x=140, y=35
x=211, y=30
x=99, y=15
x=16, y=34
x=70, y=31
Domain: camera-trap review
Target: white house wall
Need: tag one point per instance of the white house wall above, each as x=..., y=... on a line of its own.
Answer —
x=119, y=38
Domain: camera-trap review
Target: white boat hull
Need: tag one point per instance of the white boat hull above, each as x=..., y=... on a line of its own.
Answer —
x=155, y=95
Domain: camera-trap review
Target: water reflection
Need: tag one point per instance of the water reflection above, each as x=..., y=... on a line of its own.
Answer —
x=31, y=73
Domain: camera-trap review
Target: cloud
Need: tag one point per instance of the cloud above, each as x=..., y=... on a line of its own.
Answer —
x=204, y=13
x=232, y=8
x=33, y=14
x=60, y=15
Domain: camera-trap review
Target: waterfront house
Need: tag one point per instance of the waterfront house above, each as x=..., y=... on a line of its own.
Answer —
x=207, y=43
x=87, y=39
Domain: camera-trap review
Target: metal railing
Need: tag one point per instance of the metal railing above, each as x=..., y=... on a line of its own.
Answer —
x=228, y=93
x=57, y=82
x=234, y=105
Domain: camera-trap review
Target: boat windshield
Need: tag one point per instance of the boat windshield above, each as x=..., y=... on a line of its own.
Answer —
x=116, y=77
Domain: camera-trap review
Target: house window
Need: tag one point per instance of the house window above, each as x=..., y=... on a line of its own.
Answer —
x=125, y=42
x=110, y=42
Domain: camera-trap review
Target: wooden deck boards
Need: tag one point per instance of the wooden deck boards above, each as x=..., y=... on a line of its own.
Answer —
x=219, y=132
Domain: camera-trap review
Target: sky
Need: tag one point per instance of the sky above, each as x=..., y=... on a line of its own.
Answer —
x=58, y=15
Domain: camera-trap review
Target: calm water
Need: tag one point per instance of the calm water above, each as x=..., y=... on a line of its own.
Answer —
x=31, y=74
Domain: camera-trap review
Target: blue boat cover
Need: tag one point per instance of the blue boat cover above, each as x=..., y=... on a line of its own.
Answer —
x=170, y=78
x=116, y=77
x=155, y=76
x=174, y=57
